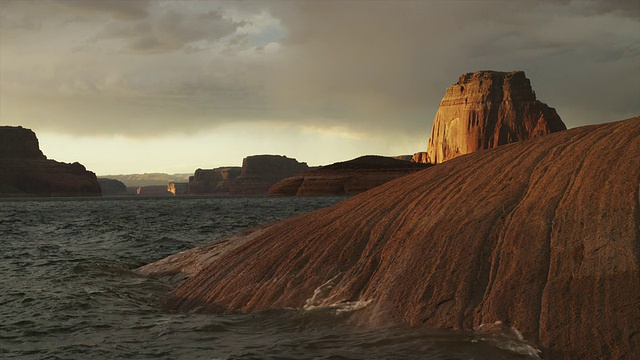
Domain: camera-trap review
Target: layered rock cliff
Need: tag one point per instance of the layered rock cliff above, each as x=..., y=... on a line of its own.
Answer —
x=542, y=235
x=25, y=171
x=257, y=174
x=346, y=178
x=213, y=181
x=260, y=172
x=487, y=109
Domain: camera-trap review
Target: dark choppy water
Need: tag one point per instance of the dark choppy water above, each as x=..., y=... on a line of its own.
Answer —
x=67, y=289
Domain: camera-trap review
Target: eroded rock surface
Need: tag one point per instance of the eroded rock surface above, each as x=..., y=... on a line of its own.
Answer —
x=487, y=109
x=542, y=235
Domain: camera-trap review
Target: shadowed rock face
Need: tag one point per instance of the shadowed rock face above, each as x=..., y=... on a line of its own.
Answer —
x=542, y=235
x=346, y=178
x=260, y=172
x=24, y=170
x=19, y=143
x=213, y=181
x=257, y=175
x=487, y=109
x=112, y=187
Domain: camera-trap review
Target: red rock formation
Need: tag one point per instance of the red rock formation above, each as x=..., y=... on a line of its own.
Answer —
x=542, y=235
x=24, y=170
x=346, y=178
x=487, y=109
x=257, y=175
x=420, y=158
x=213, y=181
x=260, y=172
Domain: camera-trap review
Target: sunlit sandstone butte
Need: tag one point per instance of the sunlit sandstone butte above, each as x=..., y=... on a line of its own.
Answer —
x=540, y=234
x=486, y=109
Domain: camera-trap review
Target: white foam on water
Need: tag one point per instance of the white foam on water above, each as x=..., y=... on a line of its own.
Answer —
x=321, y=293
x=507, y=338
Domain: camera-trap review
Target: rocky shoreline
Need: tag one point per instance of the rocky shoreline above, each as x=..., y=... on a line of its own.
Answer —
x=508, y=234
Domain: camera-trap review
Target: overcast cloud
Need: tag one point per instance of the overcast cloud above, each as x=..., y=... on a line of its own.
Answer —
x=363, y=68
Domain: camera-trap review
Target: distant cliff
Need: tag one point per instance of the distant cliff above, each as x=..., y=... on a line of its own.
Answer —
x=213, y=181
x=257, y=174
x=25, y=171
x=260, y=172
x=486, y=109
x=346, y=178
x=112, y=187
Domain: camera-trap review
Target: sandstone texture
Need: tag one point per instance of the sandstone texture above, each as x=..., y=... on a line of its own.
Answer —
x=25, y=171
x=346, y=178
x=487, y=109
x=542, y=235
x=112, y=187
x=420, y=157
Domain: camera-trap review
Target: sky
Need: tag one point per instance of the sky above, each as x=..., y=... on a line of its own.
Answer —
x=172, y=86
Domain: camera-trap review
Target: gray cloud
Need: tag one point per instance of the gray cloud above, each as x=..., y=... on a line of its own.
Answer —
x=374, y=68
x=170, y=31
x=121, y=9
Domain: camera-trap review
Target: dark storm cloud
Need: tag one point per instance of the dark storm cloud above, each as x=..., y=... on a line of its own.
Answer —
x=371, y=67
x=122, y=9
x=170, y=31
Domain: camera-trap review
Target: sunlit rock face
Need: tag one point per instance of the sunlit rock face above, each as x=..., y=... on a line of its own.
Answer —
x=346, y=178
x=25, y=170
x=542, y=235
x=486, y=109
x=177, y=188
x=420, y=157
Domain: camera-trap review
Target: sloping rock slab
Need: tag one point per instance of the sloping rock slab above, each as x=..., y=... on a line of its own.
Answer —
x=542, y=235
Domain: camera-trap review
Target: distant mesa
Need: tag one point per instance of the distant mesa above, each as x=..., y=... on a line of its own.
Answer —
x=486, y=109
x=257, y=174
x=213, y=181
x=346, y=178
x=25, y=170
x=542, y=235
x=112, y=187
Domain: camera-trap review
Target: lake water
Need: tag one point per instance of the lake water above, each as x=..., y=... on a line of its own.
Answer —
x=67, y=289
